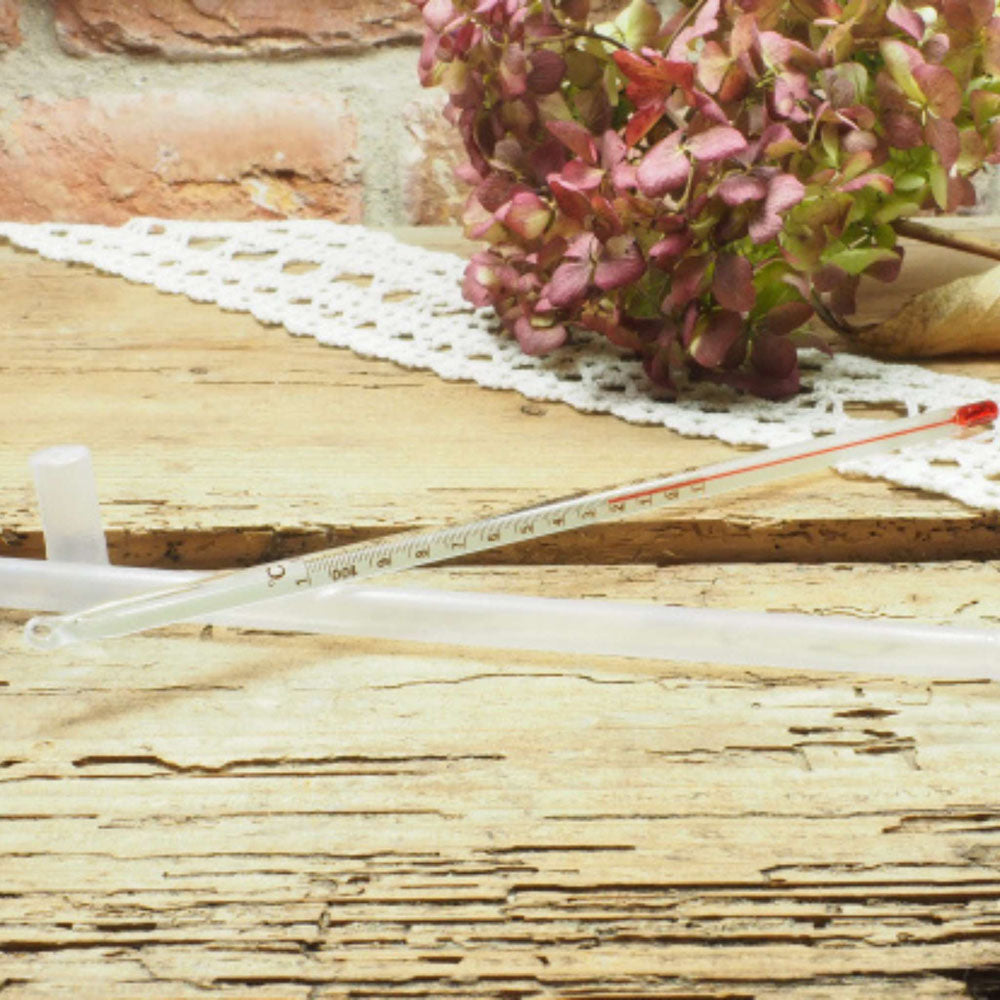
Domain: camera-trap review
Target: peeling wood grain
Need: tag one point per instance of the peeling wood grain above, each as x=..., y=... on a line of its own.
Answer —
x=260, y=816
x=245, y=815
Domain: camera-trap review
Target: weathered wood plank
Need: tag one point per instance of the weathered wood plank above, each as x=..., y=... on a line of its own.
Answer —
x=260, y=816
x=267, y=816
x=218, y=441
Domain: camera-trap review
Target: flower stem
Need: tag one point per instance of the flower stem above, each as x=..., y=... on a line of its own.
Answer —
x=953, y=241
x=835, y=323
x=684, y=22
x=574, y=32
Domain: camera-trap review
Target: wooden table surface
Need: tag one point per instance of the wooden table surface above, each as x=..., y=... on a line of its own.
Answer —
x=244, y=814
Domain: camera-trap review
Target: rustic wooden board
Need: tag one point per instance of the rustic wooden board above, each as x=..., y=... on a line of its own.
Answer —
x=220, y=441
x=243, y=814
x=250, y=815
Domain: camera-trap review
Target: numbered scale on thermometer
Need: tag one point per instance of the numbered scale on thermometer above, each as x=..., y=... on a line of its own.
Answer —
x=369, y=559
x=366, y=559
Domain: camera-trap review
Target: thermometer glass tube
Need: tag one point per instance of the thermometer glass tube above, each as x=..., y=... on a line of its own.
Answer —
x=351, y=563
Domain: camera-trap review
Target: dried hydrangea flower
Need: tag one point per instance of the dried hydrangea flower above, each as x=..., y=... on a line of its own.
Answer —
x=697, y=190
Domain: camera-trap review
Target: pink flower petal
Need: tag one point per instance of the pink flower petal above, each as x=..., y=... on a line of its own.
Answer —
x=547, y=158
x=513, y=71
x=479, y=283
x=622, y=265
x=613, y=150
x=739, y=188
x=575, y=137
x=860, y=141
x=569, y=283
x=709, y=109
x=944, y=137
x=785, y=191
x=578, y=175
x=777, y=141
x=624, y=177
x=790, y=89
x=525, y=214
x=496, y=190
x=713, y=64
x=570, y=200
x=704, y=24
x=905, y=19
x=903, y=130
x=686, y=283
x=538, y=339
x=764, y=227
x=944, y=95
x=982, y=11
x=664, y=252
x=664, y=168
x=717, y=143
x=438, y=14
x=584, y=246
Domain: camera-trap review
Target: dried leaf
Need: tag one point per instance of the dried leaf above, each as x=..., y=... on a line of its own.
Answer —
x=733, y=283
x=713, y=343
x=962, y=317
x=773, y=355
x=901, y=60
x=547, y=71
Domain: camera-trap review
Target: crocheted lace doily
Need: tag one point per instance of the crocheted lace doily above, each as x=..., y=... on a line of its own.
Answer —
x=353, y=287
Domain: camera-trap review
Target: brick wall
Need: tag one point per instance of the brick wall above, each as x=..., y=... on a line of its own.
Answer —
x=235, y=109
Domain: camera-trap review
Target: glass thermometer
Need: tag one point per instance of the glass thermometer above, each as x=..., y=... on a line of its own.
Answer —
x=350, y=563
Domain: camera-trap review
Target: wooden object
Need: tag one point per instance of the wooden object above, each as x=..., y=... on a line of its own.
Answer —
x=212, y=813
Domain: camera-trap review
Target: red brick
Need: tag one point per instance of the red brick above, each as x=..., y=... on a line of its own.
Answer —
x=10, y=32
x=199, y=29
x=432, y=195
x=180, y=154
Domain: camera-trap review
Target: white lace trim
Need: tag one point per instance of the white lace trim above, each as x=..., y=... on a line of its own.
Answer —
x=353, y=287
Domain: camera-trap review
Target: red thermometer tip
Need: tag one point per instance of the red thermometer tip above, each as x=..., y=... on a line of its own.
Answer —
x=974, y=414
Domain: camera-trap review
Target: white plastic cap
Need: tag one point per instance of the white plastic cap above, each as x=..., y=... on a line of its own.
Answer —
x=67, y=497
